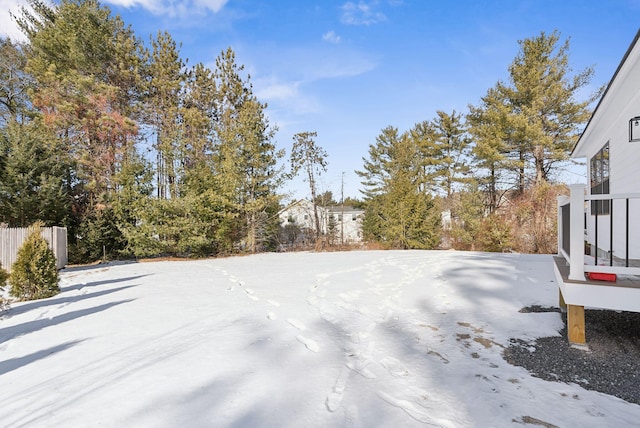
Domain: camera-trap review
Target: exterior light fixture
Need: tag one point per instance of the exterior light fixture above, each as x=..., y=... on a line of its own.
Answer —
x=634, y=129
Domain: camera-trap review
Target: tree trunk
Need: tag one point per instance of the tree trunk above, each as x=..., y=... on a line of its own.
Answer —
x=521, y=177
x=538, y=154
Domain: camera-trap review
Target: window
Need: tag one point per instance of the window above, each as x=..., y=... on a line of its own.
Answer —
x=600, y=180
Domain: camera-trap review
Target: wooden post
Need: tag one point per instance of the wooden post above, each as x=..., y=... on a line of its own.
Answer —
x=575, y=325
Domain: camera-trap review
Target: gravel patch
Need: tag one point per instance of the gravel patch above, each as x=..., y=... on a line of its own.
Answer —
x=611, y=364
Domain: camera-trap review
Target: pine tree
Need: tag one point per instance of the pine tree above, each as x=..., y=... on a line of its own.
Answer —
x=14, y=82
x=34, y=274
x=87, y=88
x=468, y=212
x=75, y=62
x=542, y=96
x=245, y=159
x=492, y=132
x=34, y=177
x=453, y=146
x=166, y=75
x=531, y=122
x=399, y=213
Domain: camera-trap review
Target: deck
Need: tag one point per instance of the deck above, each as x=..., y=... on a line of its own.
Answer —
x=622, y=295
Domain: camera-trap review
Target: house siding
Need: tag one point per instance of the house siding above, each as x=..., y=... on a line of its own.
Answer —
x=610, y=123
x=300, y=220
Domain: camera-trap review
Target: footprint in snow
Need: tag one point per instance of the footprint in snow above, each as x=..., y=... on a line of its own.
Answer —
x=250, y=294
x=487, y=385
x=394, y=366
x=334, y=399
x=350, y=417
x=297, y=324
x=310, y=344
x=271, y=316
x=273, y=302
x=359, y=365
x=418, y=408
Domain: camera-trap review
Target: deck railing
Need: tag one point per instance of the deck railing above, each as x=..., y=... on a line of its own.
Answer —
x=571, y=233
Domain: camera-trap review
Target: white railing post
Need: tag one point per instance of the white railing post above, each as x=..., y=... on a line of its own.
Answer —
x=576, y=217
x=562, y=200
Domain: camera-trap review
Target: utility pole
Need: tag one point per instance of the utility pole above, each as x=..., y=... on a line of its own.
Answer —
x=342, y=210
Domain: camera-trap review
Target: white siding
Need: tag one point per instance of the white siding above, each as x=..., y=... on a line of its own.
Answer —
x=610, y=123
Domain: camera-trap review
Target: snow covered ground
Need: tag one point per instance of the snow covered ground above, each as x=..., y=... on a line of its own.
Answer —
x=355, y=339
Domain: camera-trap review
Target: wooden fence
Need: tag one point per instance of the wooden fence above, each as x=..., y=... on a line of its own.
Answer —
x=11, y=240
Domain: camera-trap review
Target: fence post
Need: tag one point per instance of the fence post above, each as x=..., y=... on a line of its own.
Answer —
x=576, y=216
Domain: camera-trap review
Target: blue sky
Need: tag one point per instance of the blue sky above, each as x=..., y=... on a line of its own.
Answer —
x=348, y=69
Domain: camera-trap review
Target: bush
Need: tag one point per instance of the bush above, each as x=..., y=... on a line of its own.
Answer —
x=3, y=277
x=494, y=234
x=34, y=274
x=3, y=281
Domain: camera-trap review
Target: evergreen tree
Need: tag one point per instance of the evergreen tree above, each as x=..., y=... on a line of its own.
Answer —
x=245, y=159
x=14, y=82
x=135, y=184
x=467, y=214
x=74, y=61
x=398, y=213
x=3, y=278
x=35, y=176
x=87, y=87
x=542, y=97
x=3, y=283
x=492, y=132
x=34, y=274
x=531, y=122
x=452, y=144
x=198, y=115
x=376, y=171
x=167, y=78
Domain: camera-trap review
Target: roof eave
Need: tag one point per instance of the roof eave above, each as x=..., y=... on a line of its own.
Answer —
x=575, y=152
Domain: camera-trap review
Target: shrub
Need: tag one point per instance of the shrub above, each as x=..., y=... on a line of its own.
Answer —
x=3, y=277
x=494, y=234
x=3, y=282
x=34, y=274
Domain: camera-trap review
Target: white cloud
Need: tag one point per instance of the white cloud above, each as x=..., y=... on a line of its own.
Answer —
x=361, y=14
x=271, y=89
x=285, y=95
x=331, y=37
x=170, y=8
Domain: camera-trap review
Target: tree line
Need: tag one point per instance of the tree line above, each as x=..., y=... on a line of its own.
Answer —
x=491, y=170
x=139, y=154
x=131, y=149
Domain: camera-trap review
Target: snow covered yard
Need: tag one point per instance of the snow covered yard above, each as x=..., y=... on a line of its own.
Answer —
x=356, y=339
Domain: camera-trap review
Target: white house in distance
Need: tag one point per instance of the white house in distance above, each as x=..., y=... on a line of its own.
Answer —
x=598, y=259
x=342, y=223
